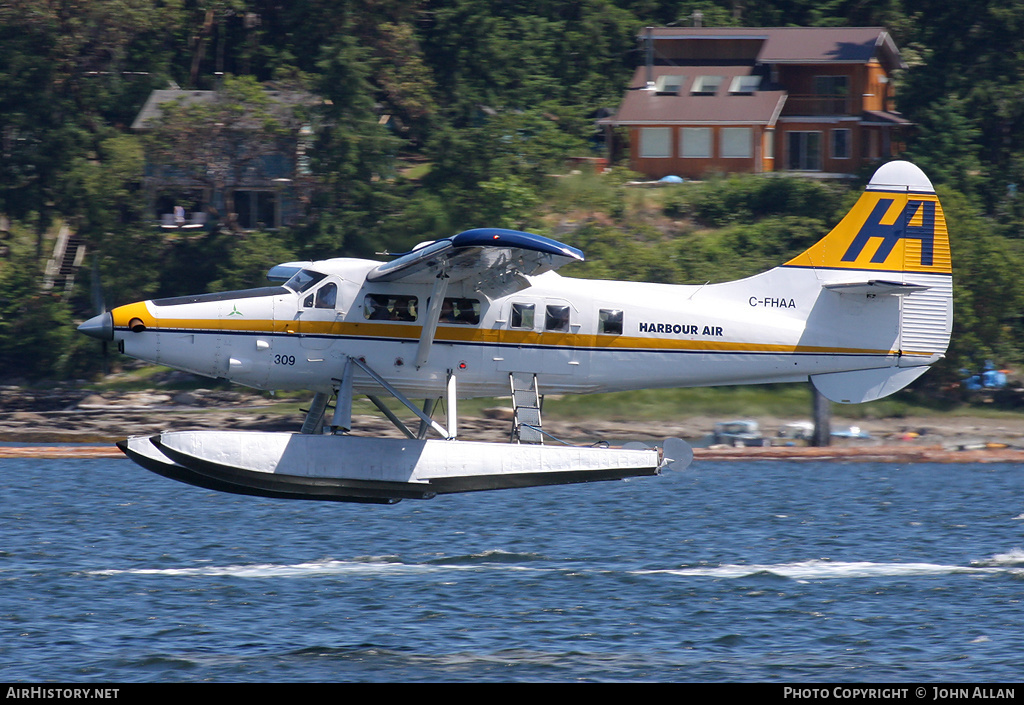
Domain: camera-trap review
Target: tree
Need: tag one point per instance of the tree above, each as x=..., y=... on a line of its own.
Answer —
x=35, y=325
x=353, y=159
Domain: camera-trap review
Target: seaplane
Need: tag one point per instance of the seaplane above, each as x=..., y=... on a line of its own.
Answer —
x=860, y=314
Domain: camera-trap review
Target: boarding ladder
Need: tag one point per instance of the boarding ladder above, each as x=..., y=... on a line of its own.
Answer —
x=526, y=403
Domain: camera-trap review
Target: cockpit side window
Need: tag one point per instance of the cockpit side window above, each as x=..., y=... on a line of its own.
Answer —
x=303, y=280
x=327, y=295
x=384, y=307
x=324, y=297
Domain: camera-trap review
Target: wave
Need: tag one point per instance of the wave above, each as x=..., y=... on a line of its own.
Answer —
x=364, y=565
x=272, y=570
x=1011, y=561
x=824, y=570
x=1014, y=557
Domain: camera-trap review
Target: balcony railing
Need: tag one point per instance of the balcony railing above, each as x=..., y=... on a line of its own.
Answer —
x=802, y=104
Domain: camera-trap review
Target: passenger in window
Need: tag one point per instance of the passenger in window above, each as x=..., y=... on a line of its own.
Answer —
x=376, y=309
x=447, y=312
x=404, y=310
x=467, y=311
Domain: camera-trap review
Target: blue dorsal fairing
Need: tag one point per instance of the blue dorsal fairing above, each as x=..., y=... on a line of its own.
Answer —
x=499, y=237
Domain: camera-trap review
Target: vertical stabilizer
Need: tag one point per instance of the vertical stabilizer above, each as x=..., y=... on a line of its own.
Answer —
x=893, y=242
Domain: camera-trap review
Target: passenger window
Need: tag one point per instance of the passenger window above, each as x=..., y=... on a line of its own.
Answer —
x=381, y=307
x=522, y=316
x=557, y=318
x=460, y=311
x=609, y=321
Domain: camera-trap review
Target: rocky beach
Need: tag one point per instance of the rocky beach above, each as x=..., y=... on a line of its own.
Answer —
x=45, y=417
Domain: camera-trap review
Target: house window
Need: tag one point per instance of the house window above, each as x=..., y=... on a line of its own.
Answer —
x=706, y=85
x=696, y=142
x=803, y=151
x=745, y=84
x=384, y=307
x=668, y=85
x=609, y=321
x=832, y=92
x=522, y=316
x=655, y=142
x=556, y=318
x=831, y=85
x=256, y=209
x=736, y=142
x=841, y=144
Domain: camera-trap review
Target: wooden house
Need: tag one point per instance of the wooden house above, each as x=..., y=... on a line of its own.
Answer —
x=724, y=100
x=227, y=168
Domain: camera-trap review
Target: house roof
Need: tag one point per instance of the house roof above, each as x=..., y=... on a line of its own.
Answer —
x=643, y=105
x=741, y=51
x=280, y=102
x=798, y=44
x=877, y=117
x=152, y=110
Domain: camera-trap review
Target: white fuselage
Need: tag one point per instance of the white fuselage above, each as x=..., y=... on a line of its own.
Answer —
x=778, y=326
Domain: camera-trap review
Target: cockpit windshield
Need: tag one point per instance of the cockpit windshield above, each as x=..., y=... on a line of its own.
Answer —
x=303, y=280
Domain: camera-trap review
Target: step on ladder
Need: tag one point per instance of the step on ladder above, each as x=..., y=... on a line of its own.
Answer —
x=526, y=402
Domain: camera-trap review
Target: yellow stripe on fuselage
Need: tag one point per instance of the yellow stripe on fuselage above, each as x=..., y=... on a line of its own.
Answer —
x=393, y=331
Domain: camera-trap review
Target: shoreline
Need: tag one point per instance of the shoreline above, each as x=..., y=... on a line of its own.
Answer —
x=39, y=421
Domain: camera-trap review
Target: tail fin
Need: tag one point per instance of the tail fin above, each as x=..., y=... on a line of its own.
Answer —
x=892, y=242
x=897, y=227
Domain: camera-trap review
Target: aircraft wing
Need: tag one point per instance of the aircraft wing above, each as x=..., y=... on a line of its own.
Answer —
x=491, y=256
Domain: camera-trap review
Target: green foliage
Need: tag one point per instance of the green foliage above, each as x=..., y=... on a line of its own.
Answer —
x=495, y=95
x=742, y=198
x=988, y=294
x=638, y=254
x=35, y=325
x=248, y=258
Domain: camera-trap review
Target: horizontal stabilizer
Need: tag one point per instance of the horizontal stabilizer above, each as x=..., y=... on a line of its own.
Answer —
x=875, y=286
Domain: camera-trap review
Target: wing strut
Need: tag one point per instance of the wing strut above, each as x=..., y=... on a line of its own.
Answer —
x=433, y=316
x=343, y=421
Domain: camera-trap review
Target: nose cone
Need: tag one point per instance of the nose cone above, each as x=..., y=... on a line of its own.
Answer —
x=100, y=327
